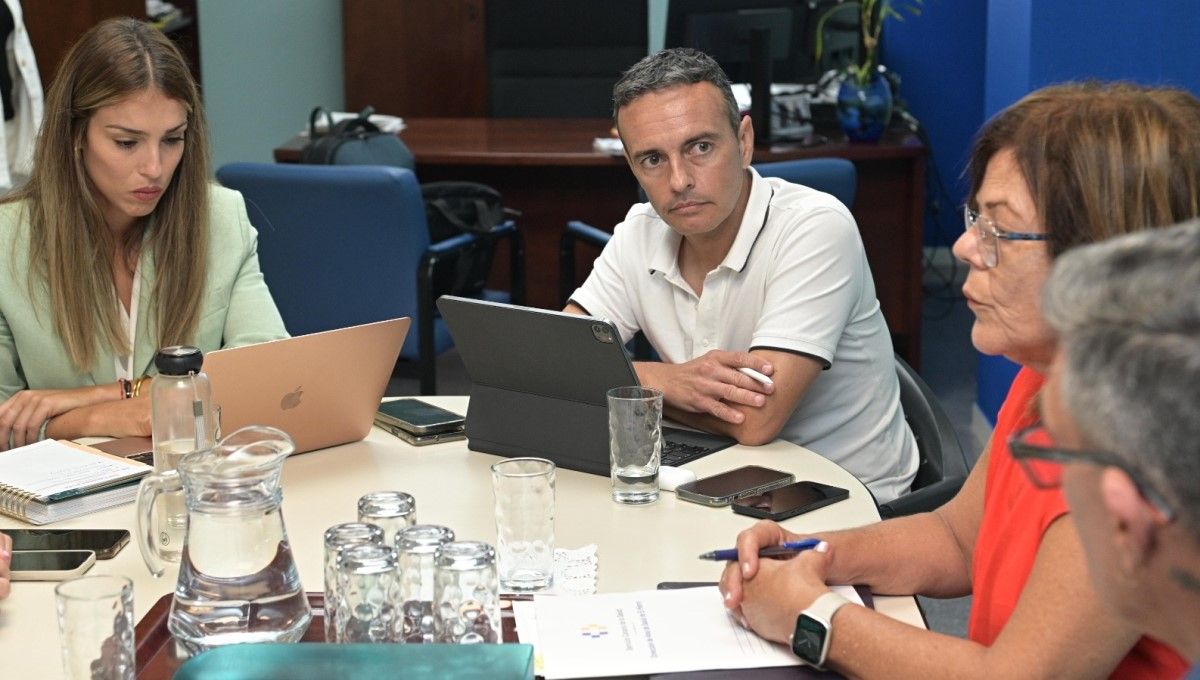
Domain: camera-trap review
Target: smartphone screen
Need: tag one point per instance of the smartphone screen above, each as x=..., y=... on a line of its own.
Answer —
x=721, y=489
x=104, y=542
x=55, y=560
x=789, y=501
x=418, y=417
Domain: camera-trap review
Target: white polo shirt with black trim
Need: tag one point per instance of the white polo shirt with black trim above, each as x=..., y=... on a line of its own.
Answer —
x=796, y=280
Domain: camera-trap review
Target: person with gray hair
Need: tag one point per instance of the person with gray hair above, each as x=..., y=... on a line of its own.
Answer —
x=756, y=293
x=1122, y=405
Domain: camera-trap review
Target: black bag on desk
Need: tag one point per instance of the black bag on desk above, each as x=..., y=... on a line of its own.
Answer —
x=356, y=141
x=453, y=208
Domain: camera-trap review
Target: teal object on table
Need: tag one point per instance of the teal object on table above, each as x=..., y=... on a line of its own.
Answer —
x=321, y=661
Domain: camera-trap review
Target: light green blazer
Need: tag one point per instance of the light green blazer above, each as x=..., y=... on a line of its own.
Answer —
x=236, y=309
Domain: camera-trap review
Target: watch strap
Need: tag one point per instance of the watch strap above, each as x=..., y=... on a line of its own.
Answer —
x=820, y=611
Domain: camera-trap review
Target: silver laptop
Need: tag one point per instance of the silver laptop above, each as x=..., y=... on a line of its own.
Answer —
x=322, y=389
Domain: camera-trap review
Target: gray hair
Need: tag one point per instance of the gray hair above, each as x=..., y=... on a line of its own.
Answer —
x=1128, y=314
x=668, y=68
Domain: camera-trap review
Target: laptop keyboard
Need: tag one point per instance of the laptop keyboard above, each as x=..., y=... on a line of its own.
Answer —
x=675, y=453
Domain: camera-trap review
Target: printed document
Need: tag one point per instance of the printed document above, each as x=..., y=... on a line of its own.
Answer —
x=652, y=631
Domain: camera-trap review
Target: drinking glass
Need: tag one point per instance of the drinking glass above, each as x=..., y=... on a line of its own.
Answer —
x=415, y=548
x=634, y=443
x=95, y=621
x=466, y=593
x=524, y=490
x=390, y=511
x=338, y=537
x=367, y=584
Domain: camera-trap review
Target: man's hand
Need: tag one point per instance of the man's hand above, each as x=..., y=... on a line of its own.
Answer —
x=5, y=561
x=22, y=415
x=711, y=383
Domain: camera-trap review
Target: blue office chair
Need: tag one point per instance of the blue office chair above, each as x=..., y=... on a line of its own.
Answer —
x=834, y=176
x=345, y=245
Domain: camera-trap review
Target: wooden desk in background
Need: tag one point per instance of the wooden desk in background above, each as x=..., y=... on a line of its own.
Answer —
x=546, y=169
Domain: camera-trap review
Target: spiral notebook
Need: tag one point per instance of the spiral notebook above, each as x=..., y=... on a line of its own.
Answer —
x=54, y=480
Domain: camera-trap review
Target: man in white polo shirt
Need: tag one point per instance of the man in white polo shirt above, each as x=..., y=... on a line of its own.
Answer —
x=723, y=270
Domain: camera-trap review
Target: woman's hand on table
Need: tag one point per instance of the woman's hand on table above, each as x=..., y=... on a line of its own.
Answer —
x=22, y=414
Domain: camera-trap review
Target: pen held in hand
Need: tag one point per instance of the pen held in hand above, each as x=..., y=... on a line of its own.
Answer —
x=784, y=550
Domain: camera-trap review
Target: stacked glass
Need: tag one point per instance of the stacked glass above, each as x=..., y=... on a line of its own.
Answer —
x=415, y=547
x=466, y=593
x=392, y=511
x=337, y=538
x=367, y=604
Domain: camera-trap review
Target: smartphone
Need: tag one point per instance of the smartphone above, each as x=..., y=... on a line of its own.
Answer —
x=106, y=543
x=722, y=489
x=423, y=439
x=50, y=565
x=789, y=501
x=418, y=417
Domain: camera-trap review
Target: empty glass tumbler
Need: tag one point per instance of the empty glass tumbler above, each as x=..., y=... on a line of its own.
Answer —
x=338, y=537
x=524, y=491
x=368, y=587
x=390, y=511
x=415, y=548
x=466, y=593
x=95, y=620
x=635, y=443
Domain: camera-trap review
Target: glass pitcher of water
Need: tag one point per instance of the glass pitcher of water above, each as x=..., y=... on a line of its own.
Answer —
x=237, y=579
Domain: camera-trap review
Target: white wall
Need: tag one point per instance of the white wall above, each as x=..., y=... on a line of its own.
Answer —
x=264, y=65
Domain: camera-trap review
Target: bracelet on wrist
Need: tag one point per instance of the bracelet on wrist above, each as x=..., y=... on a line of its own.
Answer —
x=42, y=429
x=137, y=385
x=126, y=388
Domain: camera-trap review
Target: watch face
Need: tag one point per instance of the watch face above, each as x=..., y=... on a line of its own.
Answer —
x=809, y=639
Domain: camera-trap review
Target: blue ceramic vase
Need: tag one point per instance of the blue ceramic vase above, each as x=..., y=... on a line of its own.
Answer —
x=864, y=112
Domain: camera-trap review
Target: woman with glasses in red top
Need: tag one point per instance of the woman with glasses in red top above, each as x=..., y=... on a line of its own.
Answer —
x=1064, y=166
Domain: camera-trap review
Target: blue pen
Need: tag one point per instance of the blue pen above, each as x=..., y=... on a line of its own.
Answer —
x=791, y=548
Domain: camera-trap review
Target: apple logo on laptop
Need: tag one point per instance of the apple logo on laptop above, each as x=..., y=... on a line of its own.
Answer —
x=291, y=399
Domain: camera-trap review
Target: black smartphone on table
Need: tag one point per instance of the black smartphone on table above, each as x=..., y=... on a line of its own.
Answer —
x=50, y=565
x=724, y=488
x=106, y=543
x=789, y=501
x=418, y=417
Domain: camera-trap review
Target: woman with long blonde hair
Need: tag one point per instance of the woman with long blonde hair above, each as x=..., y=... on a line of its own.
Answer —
x=118, y=244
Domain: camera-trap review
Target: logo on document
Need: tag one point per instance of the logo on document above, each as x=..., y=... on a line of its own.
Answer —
x=594, y=631
x=291, y=399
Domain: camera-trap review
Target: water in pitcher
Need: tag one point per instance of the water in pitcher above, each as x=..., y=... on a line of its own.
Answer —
x=238, y=581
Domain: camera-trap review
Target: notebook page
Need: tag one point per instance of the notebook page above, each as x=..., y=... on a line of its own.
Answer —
x=49, y=467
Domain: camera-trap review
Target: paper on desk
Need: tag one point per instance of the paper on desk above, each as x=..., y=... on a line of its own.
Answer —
x=385, y=123
x=652, y=631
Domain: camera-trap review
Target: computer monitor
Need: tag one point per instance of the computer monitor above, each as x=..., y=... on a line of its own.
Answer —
x=723, y=30
x=762, y=42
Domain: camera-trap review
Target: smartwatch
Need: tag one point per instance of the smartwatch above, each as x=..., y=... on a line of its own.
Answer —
x=810, y=641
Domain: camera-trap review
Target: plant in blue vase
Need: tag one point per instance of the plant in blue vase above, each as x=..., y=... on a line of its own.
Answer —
x=864, y=101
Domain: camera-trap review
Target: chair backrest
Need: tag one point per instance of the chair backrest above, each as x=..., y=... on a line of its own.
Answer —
x=938, y=446
x=835, y=176
x=338, y=245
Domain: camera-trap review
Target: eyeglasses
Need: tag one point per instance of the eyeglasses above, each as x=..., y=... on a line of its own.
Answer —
x=988, y=235
x=1043, y=464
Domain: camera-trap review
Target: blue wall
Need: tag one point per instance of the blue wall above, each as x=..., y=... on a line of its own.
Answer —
x=940, y=59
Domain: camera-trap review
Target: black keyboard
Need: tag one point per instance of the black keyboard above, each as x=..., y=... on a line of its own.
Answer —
x=684, y=446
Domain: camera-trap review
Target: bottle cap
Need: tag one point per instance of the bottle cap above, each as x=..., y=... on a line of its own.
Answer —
x=178, y=360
